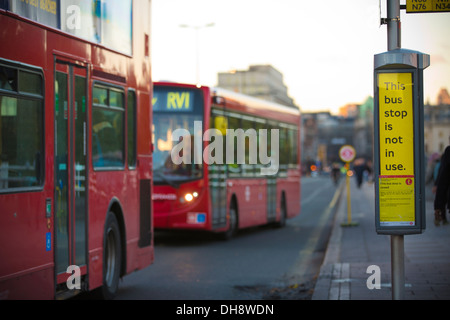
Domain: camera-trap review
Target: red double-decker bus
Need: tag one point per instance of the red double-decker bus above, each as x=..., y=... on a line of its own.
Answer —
x=211, y=166
x=75, y=157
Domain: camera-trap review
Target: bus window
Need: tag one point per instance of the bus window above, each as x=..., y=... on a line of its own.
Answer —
x=234, y=169
x=21, y=129
x=219, y=122
x=177, y=108
x=293, y=142
x=131, y=128
x=108, y=128
x=284, y=148
x=251, y=153
x=30, y=83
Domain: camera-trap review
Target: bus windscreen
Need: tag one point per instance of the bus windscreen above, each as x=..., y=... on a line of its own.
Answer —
x=175, y=108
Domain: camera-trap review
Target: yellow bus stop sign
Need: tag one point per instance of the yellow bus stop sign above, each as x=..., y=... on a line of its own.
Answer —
x=418, y=6
x=396, y=130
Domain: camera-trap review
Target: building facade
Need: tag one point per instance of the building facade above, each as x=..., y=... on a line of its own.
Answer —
x=437, y=127
x=261, y=81
x=324, y=134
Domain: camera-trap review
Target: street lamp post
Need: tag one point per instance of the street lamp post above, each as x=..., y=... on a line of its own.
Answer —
x=197, y=53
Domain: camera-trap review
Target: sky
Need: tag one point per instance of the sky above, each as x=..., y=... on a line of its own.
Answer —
x=324, y=49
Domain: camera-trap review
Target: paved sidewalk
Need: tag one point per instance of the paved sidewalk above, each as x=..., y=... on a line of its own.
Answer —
x=351, y=250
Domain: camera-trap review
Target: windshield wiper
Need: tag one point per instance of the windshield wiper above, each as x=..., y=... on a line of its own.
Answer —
x=168, y=181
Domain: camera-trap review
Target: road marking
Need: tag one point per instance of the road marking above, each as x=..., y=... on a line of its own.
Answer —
x=313, y=194
x=301, y=266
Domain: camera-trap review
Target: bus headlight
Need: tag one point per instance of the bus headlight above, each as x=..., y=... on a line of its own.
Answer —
x=190, y=196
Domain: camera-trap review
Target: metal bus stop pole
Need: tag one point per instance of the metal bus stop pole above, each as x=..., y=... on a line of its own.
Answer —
x=397, y=241
x=398, y=267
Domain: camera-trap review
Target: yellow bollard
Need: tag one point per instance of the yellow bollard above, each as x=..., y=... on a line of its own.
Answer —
x=349, y=202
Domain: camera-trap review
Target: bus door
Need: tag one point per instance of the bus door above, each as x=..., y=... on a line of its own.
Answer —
x=70, y=107
x=217, y=176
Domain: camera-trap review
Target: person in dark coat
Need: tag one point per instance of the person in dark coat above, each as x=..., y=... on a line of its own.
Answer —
x=442, y=189
x=359, y=167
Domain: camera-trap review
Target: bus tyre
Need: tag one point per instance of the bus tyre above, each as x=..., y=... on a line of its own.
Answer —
x=232, y=226
x=112, y=256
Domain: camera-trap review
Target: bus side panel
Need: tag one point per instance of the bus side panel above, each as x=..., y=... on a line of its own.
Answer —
x=97, y=199
x=118, y=192
x=24, y=230
x=291, y=187
x=144, y=256
x=32, y=285
x=251, y=200
x=95, y=268
x=26, y=256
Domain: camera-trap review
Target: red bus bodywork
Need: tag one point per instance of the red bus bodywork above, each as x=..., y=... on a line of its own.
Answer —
x=248, y=194
x=28, y=219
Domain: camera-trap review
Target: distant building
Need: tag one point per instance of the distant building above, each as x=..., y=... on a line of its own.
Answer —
x=323, y=136
x=363, y=131
x=349, y=110
x=310, y=141
x=261, y=81
x=443, y=97
x=437, y=124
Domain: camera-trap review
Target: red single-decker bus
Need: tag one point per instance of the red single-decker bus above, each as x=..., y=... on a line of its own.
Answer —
x=211, y=160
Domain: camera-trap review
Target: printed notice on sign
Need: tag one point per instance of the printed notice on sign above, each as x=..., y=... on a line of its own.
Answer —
x=396, y=201
x=396, y=180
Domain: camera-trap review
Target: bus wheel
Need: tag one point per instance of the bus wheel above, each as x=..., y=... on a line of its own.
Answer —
x=112, y=253
x=283, y=214
x=232, y=226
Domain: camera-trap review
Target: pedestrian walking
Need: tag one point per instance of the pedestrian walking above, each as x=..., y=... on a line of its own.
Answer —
x=433, y=168
x=335, y=173
x=360, y=167
x=442, y=189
